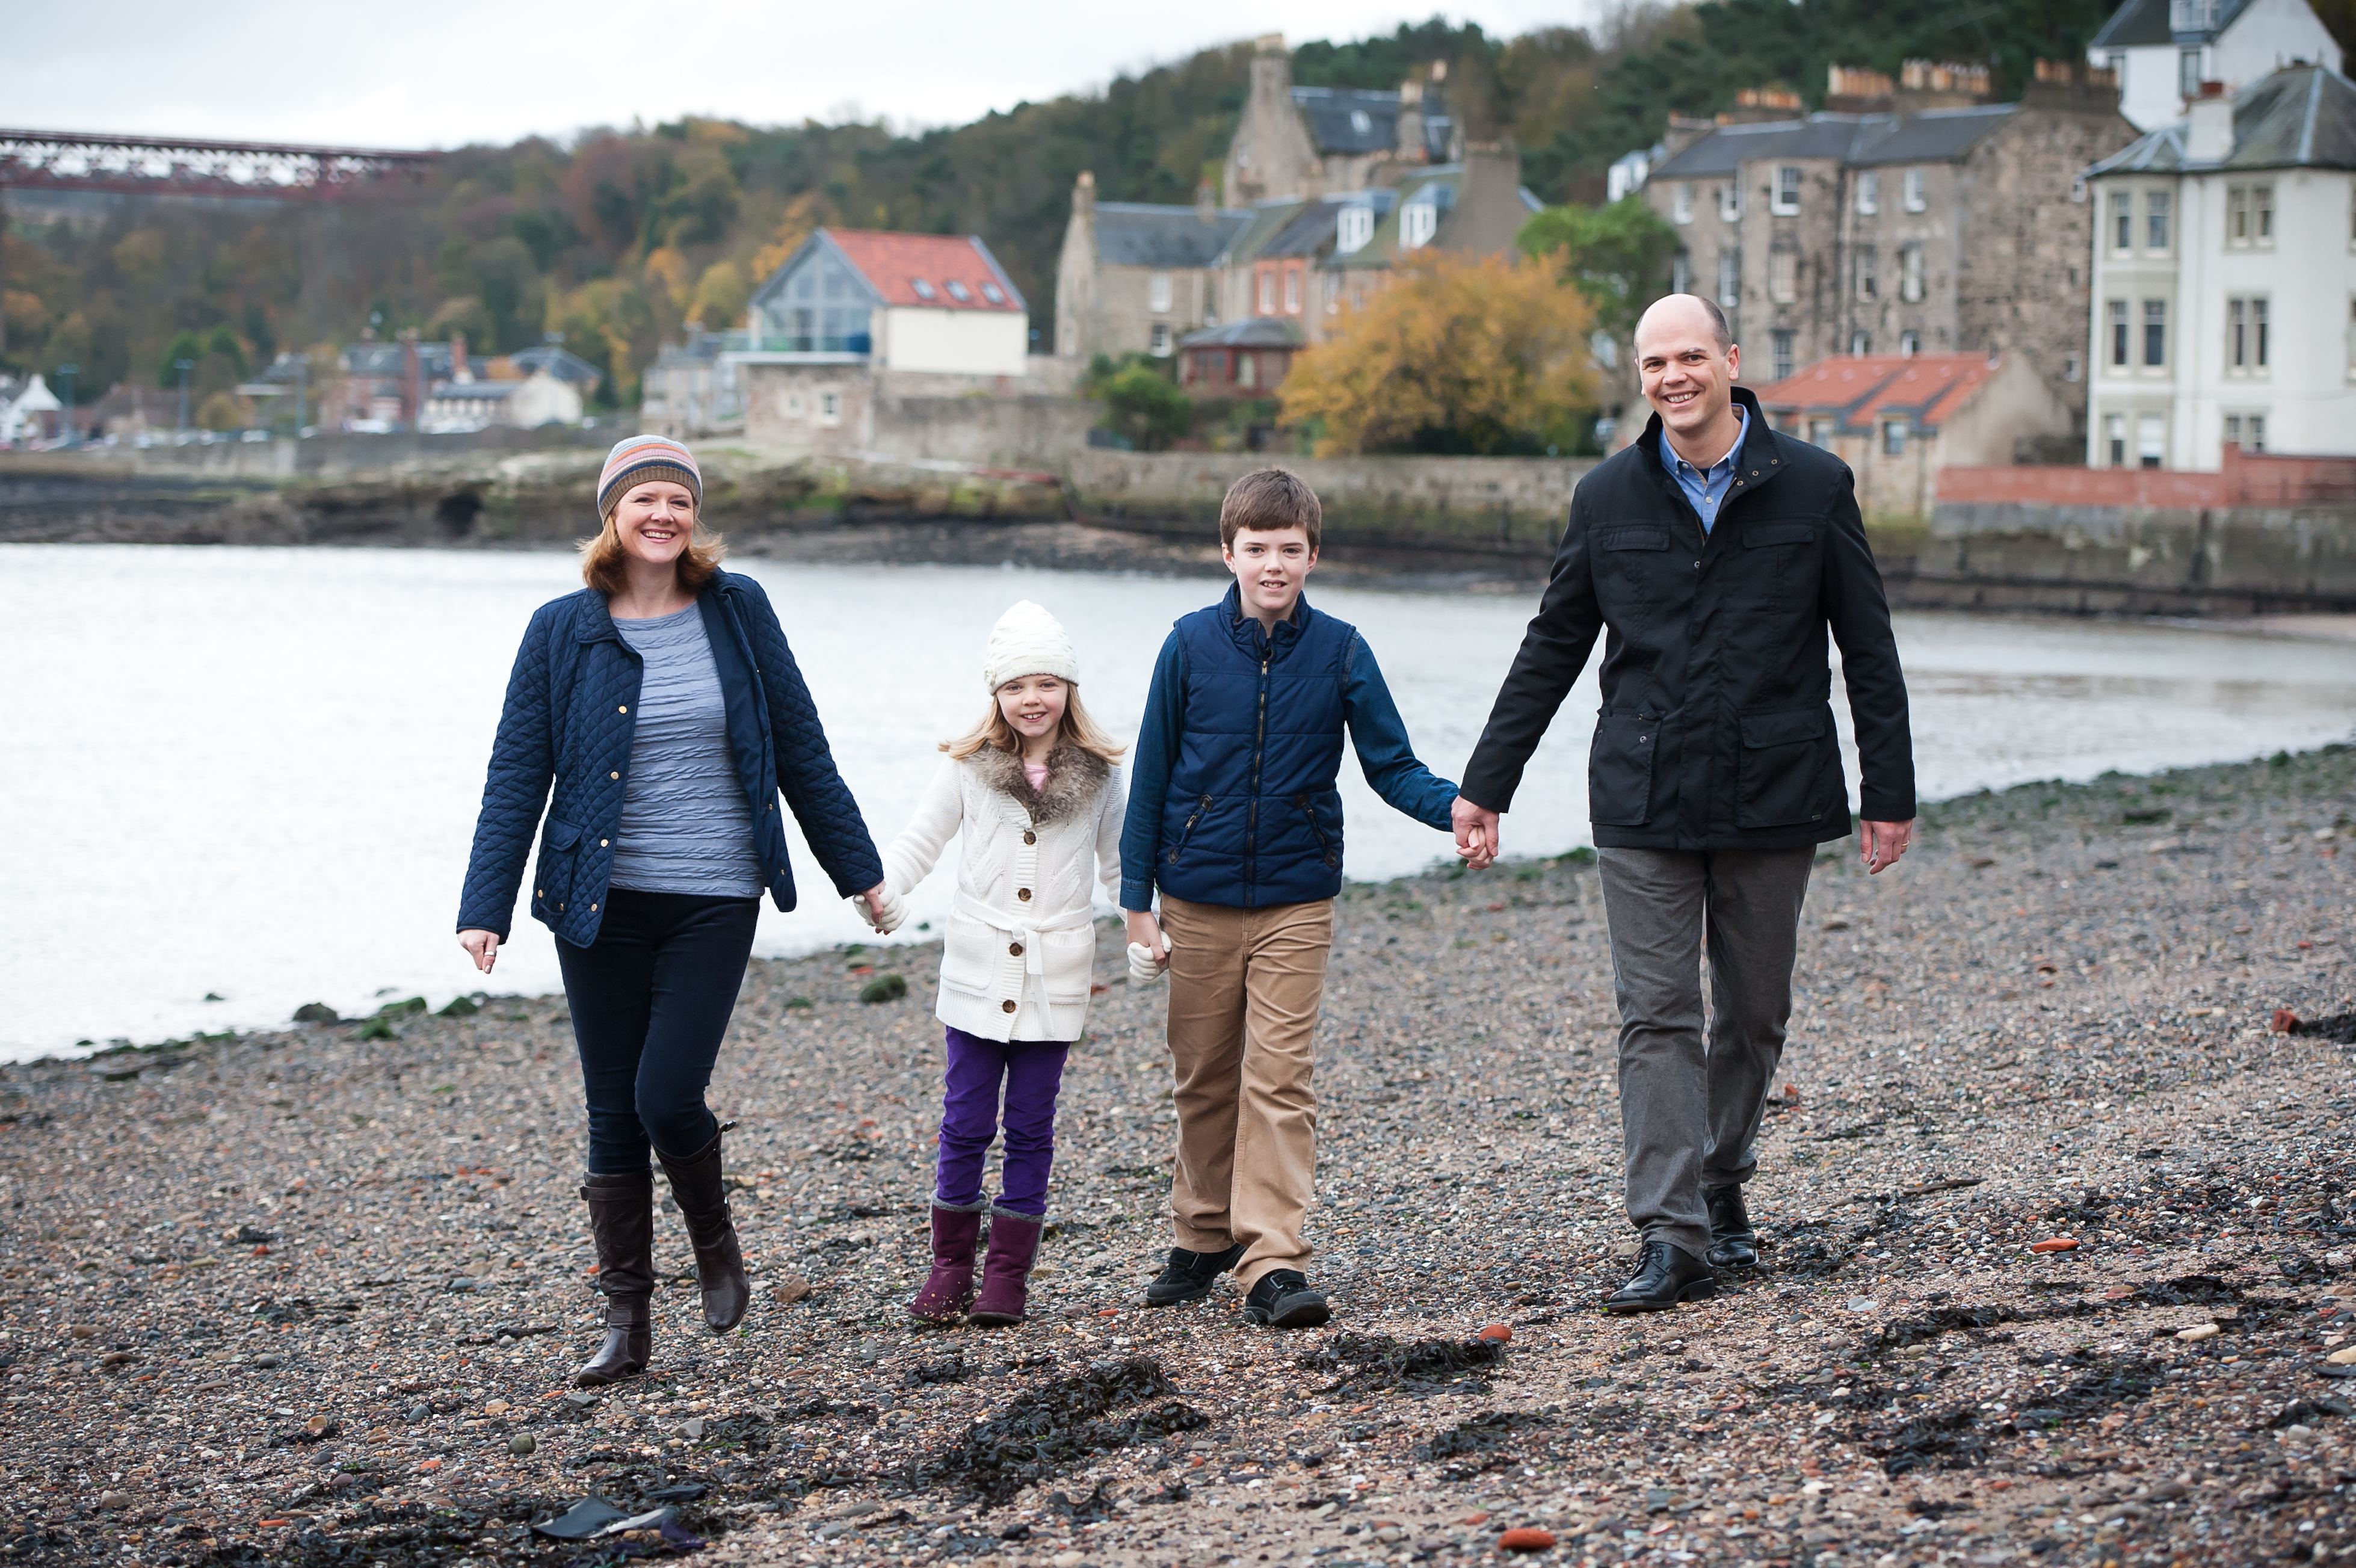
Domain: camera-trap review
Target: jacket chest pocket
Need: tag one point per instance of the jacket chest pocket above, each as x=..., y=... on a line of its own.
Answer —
x=1779, y=556
x=1787, y=757
x=560, y=863
x=1619, y=770
x=1629, y=564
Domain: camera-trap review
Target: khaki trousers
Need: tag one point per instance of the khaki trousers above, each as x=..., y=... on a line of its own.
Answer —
x=1244, y=986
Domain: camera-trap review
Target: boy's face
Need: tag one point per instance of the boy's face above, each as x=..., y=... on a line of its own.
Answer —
x=1270, y=564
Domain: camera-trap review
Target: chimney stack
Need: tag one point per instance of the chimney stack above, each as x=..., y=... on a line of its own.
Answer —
x=2208, y=137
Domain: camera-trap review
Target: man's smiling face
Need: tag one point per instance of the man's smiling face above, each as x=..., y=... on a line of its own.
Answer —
x=1689, y=376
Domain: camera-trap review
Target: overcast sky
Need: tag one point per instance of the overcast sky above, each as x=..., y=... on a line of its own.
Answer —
x=442, y=73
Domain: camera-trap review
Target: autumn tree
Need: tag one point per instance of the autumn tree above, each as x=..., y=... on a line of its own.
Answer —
x=1486, y=355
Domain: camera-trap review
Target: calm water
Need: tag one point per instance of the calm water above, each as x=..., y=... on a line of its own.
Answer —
x=255, y=773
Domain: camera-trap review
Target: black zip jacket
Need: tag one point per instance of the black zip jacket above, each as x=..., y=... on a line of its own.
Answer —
x=1716, y=730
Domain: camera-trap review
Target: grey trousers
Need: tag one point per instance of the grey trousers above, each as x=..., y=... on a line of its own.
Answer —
x=1690, y=1112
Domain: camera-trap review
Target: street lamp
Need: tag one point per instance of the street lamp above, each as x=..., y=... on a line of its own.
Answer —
x=66, y=374
x=184, y=366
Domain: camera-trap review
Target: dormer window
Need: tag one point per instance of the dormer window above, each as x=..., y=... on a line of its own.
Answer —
x=1355, y=227
x=1418, y=220
x=992, y=293
x=1361, y=122
x=2191, y=16
x=924, y=290
x=959, y=292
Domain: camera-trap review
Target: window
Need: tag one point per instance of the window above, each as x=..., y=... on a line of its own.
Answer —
x=2070, y=366
x=2247, y=335
x=1292, y=290
x=829, y=408
x=1157, y=342
x=2116, y=62
x=1361, y=122
x=1909, y=343
x=1915, y=200
x=1787, y=190
x=1681, y=273
x=1783, y=274
x=2254, y=434
x=2115, y=314
x=1860, y=344
x=1869, y=193
x=2155, y=332
x=1354, y=229
x=2155, y=206
x=1909, y=272
x=1246, y=369
x=2261, y=202
x=1730, y=200
x=2152, y=440
x=1893, y=438
x=992, y=293
x=1267, y=293
x=1782, y=344
x=2352, y=339
x=959, y=292
x=1730, y=279
x=1418, y=221
x=2122, y=222
x=2232, y=430
x=1866, y=263
x=1681, y=201
x=2237, y=215
x=2115, y=438
x=1157, y=292
x=924, y=289
x=2188, y=73
x=1820, y=433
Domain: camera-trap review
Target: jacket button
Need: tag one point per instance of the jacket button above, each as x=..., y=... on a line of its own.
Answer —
x=1006, y=1007
x=1030, y=837
x=622, y=709
x=1014, y=948
x=562, y=908
x=544, y=893
x=1023, y=894
x=613, y=775
x=593, y=908
x=603, y=843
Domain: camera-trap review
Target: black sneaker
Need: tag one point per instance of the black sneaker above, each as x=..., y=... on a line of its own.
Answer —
x=1189, y=1276
x=1282, y=1299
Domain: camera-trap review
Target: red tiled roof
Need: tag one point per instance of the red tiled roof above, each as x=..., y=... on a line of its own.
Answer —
x=1858, y=387
x=893, y=265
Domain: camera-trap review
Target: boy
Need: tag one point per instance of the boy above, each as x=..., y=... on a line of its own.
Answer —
x=1233, y=812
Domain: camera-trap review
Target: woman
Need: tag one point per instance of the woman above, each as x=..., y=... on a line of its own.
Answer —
x=664, y=705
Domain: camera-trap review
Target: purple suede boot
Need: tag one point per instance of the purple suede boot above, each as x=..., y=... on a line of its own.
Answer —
x=1013, y=1244
x=948, y=1289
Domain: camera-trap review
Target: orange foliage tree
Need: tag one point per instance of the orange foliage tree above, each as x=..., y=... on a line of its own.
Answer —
x=1484, y=355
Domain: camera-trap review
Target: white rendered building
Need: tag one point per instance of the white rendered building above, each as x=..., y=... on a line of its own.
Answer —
x=2164, y=49
x=2224, y=281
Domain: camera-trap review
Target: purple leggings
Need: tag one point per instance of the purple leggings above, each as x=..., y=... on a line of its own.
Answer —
x=1033, y=1071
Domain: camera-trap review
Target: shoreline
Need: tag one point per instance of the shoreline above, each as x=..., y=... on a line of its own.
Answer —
x=304, y=1297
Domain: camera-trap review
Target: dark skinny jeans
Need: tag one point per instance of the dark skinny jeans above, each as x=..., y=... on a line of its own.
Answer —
x=650, y=1000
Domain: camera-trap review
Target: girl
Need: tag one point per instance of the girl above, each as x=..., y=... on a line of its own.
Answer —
x=1037, y=794
x=663, y=705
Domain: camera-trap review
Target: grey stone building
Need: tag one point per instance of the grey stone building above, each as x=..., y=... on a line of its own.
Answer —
x=1134, y=277
x=1293, y=143
x=1898, y=229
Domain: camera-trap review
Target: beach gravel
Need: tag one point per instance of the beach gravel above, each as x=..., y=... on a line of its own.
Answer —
x=315, y=1296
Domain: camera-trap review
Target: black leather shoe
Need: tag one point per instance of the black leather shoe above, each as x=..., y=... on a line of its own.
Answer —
x=1282, y=1299
x=1666, y=1274
x=1189, y=1276
x=1732, y=1244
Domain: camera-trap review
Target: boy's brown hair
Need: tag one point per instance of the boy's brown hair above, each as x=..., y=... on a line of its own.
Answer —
x=1270, y=499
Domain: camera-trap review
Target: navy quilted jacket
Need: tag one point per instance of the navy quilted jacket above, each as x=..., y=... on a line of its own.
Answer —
x=571, y=712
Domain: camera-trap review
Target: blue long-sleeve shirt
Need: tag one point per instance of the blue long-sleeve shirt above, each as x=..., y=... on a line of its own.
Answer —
x=1376, y=733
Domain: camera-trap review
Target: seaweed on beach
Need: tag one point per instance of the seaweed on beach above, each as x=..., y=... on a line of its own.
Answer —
x=1487, y=1441
x=1380, y=1362
x=1050, y=1428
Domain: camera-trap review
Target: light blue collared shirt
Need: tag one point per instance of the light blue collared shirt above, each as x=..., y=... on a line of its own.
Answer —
x=1707, y=487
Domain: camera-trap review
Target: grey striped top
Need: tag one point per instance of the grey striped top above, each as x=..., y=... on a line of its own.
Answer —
x=685, y=827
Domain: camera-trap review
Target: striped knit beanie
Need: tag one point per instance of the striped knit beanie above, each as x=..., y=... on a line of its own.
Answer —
x=639, y=459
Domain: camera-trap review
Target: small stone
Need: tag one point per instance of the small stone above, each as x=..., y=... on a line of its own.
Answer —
x=580, y=1399
x=884, y=988
x=856, y=1511
x=1067, y=1559
x=2343, y=1357
x=266, y=1362
x=789, y=1289
x=1526, y=1539
x=2198, y=1332
x=1837, y=923
x=82, y=1331
x=2338, y=1259
x=320, y=1425
x=1627, y=1249
x=418, y=1412
x=834, y=1530
x=496, y=1407
x=1862, y=1304
x=315, y=1013
x=114, y=1499
x=460, y=1007
x=691, y=1428
x=1502, y=1333
x=1390, y=1535
x=522, y=1443
x=2055, y=1244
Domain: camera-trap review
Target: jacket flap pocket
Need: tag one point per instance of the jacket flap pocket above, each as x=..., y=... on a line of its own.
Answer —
x=1784, y=728
x=1637, y=539
x=560, y=835
x=1778, y=534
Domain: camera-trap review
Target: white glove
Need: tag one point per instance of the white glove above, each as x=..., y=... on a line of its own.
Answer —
x=1141, y=967
x=895, y=912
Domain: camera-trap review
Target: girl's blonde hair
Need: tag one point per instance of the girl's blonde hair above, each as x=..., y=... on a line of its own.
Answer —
x=602, y=558
x=1077, y=729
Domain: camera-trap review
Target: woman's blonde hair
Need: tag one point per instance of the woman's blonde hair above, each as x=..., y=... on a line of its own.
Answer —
x=602, y=558
x=1077, y=729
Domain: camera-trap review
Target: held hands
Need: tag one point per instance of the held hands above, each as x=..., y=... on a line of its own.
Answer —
x=1476, y=833
x=1882, y=843
x=881, y=908
x=1148, y=950
x=483, y=947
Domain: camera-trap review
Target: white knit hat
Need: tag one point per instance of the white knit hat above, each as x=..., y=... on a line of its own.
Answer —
x=1027, y=640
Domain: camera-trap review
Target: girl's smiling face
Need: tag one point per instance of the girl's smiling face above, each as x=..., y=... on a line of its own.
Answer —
x=1034, y=704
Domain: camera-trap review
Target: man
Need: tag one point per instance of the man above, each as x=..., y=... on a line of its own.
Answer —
x=1715, y=553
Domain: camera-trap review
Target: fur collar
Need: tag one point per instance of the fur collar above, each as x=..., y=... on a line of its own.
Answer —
x=1075, y=778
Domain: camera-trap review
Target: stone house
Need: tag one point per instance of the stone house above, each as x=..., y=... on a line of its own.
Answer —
x=1911, y=223
x=1295, y=142
x=2224, y=280
x=2160, y=51
x=1896, y=419
x=693, y=389
x=1134, y=277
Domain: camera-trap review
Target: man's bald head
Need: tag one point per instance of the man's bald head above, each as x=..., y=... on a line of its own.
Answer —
x=1685, y=314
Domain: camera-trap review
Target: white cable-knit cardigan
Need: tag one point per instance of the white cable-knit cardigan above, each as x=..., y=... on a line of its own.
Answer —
x=1019, y=955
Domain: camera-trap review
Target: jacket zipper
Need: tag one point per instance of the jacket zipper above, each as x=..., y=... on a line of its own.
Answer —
x=1187, y=831
x=1260, y=753
x=1323, y=844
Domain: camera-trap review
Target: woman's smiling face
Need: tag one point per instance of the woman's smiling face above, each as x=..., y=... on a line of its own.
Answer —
x=653, y=521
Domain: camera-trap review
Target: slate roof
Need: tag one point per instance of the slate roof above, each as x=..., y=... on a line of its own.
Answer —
x=557, y=362
x=1310, y=232
x=1860, y=389
x=1253, y=332
x=2302, y=116
x=1139, y=234
x=2145, y=22
x=1926, y=137
x=1264, y=222
x=1349, y=121
x=894, y=264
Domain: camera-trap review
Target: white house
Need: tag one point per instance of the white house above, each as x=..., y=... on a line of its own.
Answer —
x=2164, y=49
x=926, y=303
x=2224, y=280
x=21, y=407
x=537, y=398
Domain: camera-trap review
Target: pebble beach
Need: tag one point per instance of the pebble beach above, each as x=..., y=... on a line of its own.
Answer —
x=2057, y=1196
